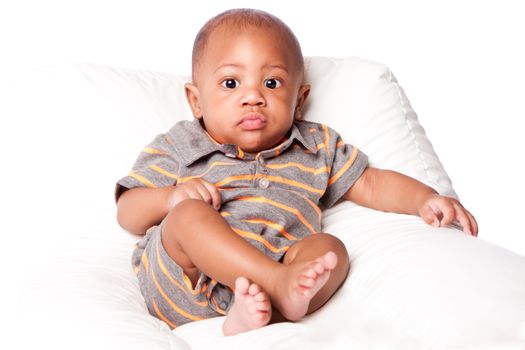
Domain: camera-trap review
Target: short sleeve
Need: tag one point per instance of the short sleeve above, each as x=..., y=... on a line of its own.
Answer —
x=155, y=167
x=346, y=164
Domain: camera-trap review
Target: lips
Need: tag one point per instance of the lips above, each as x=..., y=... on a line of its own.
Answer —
x=252, y=121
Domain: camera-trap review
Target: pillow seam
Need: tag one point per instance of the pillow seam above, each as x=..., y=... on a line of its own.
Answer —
x=411, y=129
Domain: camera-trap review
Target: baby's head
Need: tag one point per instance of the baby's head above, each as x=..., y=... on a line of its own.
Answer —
x=248, y=72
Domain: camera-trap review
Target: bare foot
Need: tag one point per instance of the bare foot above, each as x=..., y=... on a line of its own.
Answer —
x=304, y=280
x=251, y=309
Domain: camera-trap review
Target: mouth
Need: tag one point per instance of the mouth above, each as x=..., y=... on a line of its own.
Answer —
x=252, y=121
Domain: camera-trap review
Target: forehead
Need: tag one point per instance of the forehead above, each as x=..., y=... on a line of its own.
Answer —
x=250, y=44
x=258, y=39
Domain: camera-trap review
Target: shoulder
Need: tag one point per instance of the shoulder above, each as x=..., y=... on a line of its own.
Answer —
x=190, y=141
x=319, y=133
x=185, y=129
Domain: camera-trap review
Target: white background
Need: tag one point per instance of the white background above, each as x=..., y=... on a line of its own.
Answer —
x=461, y=63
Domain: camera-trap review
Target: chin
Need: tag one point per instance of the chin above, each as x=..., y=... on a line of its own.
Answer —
x=252, y=149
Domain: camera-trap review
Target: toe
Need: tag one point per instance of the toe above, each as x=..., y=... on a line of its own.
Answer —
x=330, y=260
x=306, y=281
x=254, y=289
x=241, y=285
x=310, y=271
x=319, y=268
x=260, y=297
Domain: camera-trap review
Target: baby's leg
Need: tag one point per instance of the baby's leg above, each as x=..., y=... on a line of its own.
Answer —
x=323, y=264
x=198, y=238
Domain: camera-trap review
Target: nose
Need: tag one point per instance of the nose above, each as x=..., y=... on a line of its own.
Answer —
x=253, y=96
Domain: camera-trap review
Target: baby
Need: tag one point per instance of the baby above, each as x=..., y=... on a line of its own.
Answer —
x=230, y=203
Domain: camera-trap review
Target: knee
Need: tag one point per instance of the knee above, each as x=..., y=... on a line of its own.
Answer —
x=323, y=243
x=334, y=244
x=183, y=215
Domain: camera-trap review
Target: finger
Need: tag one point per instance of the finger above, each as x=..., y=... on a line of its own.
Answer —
x=215, y=194
x=193, y=193
x=463, y=219
x=204, y=193
x=449, y=213
x=429, y=216
x=473, y=223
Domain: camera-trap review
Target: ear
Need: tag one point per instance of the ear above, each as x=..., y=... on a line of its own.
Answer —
x=192, y=96
x=303, y=93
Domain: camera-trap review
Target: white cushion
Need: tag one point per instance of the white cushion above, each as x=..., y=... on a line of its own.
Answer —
x=79, y=127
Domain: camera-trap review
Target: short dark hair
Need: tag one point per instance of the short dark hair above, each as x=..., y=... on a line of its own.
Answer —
x=239, y=19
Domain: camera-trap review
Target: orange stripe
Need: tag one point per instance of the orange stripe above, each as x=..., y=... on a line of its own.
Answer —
x=340, y=143
x=259, y=239
x=271, y=178
x=345, y=167
x=300, y=166
x=161, y=316
x=273, y=225
x=225, y=213
x=171, y=303
x=189, y=286
x=320, y=146
x=212, y=165
x=291, y=183
x=175, y=282
x=168, y=139
x=312, y=204
x=327, y=139
x=240, y=152
x=152, y=151
x=304, y=150
x=234, y=178
x=142, y=179
x=211, y=138
x=281, y=206
x=218, y=309
x=163, y=171
x=144, y=259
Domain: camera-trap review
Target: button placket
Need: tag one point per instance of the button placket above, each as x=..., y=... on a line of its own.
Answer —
x=264, y=183
x=261, y=169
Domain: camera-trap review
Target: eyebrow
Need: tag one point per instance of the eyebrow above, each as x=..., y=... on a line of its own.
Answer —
x=234, y=65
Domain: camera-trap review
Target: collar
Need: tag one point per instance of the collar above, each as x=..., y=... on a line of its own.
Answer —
x=192, y=142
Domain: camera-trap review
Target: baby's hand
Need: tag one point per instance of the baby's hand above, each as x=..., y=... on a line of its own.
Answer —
x=195, y=189
x=439, y=210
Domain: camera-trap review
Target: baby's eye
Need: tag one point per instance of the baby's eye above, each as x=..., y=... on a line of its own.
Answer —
x=272, y=83
x=230, y=83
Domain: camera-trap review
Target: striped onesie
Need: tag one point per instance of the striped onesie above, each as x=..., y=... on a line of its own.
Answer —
x=271, y=199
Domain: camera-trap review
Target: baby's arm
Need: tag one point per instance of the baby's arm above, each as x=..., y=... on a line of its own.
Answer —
x=390, y=191
x=140, y=208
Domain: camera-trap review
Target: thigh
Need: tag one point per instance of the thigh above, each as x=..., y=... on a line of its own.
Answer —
x=168, y=292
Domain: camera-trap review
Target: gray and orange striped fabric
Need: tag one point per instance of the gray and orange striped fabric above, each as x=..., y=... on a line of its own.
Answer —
x=168, y=291
x=271, y=198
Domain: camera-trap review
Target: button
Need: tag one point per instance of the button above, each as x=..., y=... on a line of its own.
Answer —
x=223, y=305
x=264, y=183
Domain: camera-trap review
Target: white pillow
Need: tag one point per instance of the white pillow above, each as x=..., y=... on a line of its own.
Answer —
x=96, y=106
x=78, y=128
x=363, y=101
